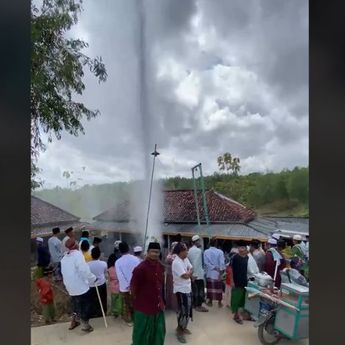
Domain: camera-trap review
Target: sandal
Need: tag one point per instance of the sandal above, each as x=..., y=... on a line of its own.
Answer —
x=74, y=324
x=238, y=320
x=181, y=338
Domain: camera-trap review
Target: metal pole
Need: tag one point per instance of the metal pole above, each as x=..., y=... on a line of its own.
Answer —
x=204, y=196
x=196, y=198
x=155, y=154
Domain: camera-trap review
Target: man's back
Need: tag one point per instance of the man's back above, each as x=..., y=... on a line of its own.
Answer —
x=214, y=262
x=76, y=273
x=43, y=256
x=55, y=249
x=124, y=269
x=195, y=258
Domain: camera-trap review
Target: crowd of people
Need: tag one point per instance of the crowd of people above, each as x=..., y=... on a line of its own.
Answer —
x=143, y=285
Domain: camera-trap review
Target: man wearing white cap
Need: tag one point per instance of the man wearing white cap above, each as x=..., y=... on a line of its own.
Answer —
x=274, y=260
x=138, y=252
x=276, y=236
x=198, y=284
x=297, y=251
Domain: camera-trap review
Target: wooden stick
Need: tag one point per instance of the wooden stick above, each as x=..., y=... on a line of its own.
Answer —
x=100, y=303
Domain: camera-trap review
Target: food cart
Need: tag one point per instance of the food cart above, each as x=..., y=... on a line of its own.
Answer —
x=283, y=314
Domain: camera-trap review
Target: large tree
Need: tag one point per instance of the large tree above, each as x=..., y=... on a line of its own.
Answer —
x=57, y=71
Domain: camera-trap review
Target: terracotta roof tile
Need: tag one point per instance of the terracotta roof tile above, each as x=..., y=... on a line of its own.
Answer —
x=179, y=207
x=44, y=213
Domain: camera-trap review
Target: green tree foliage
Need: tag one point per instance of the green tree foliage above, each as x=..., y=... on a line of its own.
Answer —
x=57, y=71
x=229, y=163
x=285, y=192
x=298, y=185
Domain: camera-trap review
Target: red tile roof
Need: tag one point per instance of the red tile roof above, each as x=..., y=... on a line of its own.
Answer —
x=179, y=207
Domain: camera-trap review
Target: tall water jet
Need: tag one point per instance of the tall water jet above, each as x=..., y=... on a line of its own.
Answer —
x=142, y=191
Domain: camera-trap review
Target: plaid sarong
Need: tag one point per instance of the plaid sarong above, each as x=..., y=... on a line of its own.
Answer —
x=214, y=289
x=127, y=306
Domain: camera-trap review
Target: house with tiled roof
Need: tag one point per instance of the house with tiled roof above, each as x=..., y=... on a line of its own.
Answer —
x=228, y=219
x=45, y=216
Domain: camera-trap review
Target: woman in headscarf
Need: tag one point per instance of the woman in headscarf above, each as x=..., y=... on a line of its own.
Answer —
x=171, y=302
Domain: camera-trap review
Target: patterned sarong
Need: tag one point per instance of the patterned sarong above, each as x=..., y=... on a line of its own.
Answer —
x=116, y=304
x=214, y=289
x=148, y=329
x=127, y=306
x=185, y=309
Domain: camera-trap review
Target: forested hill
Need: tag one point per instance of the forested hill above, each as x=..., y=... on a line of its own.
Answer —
x=278, y=194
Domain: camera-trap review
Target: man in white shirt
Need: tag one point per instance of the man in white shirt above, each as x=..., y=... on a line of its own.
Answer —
x=215, y=265
x=56, y=253
x=124, y=267
x=198, y=283
x=99, y=269
x=258, y=254
x=182, y=271
x=77, y=277
x=253, y=268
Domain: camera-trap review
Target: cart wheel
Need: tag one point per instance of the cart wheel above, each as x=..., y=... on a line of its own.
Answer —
x=266, y=333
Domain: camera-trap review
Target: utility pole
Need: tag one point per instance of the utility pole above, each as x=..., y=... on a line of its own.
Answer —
x=194, y=170
x=155, y=153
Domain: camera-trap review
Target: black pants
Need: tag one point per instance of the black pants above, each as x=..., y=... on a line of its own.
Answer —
x=198, y=288
x=185, y=310
x=81, y=306
x=96, y=310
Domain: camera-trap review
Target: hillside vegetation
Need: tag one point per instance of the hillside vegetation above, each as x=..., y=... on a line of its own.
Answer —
x=285, y=193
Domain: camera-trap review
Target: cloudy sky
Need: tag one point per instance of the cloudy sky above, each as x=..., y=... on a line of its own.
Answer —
x=197, y=77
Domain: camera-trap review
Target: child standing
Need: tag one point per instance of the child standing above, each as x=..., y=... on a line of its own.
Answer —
x=116, y=298
x=46, y=294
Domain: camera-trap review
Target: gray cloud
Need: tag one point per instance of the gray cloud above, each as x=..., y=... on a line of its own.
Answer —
x=223, y=75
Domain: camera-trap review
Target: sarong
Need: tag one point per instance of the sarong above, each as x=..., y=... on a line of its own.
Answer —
x=238, y=298
x=48, y=312
x=214, y=289
x=127, y=306
x=170, y=297
x=116, y=304
x=198, y=287
x=148, y=329
x=185, y=309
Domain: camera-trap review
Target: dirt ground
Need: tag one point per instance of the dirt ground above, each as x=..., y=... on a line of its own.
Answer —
x=215, y=327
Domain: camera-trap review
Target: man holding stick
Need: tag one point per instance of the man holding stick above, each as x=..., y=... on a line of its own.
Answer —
x=77, y=277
